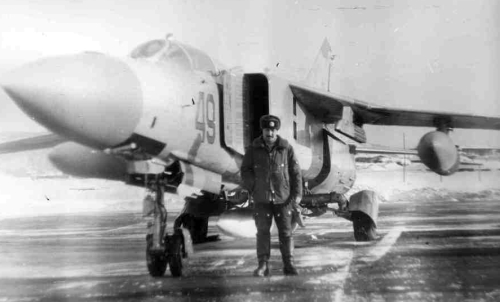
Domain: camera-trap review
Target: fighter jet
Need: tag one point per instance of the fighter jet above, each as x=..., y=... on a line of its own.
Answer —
x=168, y=117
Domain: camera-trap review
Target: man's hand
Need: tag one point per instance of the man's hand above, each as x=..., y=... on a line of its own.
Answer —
x=343, y=204
x=297, y=215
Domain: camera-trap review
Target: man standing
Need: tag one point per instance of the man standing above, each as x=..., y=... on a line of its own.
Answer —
x=271, y=173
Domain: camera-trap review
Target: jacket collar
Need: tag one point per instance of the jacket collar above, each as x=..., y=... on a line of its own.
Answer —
x=281, y=143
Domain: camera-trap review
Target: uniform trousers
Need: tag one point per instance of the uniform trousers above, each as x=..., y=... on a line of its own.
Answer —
x=263, y=215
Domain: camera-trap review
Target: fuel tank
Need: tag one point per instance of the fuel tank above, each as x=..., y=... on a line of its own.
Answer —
x=238, y=223
x=438, y=152
x=78, y=160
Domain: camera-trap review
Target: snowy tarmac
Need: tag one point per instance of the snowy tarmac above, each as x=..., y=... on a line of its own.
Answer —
x=432, y=251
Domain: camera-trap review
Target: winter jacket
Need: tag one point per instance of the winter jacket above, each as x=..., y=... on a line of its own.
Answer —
x=272, y=176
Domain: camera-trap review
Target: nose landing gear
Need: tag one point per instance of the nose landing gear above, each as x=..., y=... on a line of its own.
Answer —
x=162, y=249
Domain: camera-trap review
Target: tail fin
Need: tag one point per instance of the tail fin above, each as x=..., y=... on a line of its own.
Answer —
x=319, y=74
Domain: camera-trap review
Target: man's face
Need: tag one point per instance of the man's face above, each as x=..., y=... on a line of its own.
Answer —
x=270, y=135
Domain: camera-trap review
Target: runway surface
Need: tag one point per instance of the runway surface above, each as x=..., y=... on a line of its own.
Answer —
x=429, y=251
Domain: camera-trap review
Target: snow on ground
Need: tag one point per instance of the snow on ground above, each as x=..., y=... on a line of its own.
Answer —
x=25, y=196
x=395, y=185
x=386, y=175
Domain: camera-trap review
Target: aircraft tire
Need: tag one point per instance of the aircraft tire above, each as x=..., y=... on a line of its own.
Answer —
x=364, y=227
x=175, y=256
x=157, y=263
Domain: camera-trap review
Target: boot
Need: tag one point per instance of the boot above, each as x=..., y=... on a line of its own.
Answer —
x=263, y=254
x=286, y=248
x=262, y=270
x=289, y=269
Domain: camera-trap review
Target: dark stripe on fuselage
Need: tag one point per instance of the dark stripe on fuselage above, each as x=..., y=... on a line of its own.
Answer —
x=146, y=144
x=327, y=165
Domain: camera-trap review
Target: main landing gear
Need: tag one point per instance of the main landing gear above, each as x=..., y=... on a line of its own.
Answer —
x=363, y=226
x=362, y=210
x=363, y=207
x=162, y=249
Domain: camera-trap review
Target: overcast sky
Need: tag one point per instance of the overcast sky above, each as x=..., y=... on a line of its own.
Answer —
x=429, y=55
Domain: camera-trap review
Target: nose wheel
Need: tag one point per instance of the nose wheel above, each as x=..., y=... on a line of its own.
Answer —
x=164, y=250
x=156, y=261
x=176, y=254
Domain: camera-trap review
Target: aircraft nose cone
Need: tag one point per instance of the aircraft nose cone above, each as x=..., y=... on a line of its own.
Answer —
x=90, y=98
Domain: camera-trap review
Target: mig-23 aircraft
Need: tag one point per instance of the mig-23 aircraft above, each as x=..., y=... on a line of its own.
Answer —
x=168, y=116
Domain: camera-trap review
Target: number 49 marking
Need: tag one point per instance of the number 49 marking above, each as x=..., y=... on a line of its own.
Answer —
x=206, y=125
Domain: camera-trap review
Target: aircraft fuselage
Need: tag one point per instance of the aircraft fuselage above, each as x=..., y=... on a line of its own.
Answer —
x=168, y=103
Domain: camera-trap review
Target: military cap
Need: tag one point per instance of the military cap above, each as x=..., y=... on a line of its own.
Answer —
x=270, y=122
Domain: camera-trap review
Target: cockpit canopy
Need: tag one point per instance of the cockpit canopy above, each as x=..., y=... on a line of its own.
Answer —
x=175, y=52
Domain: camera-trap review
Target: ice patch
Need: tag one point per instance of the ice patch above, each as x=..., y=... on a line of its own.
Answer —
x=79, y=284
x=398, y=288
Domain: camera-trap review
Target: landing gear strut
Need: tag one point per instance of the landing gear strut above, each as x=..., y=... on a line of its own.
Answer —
x=163, y=249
